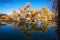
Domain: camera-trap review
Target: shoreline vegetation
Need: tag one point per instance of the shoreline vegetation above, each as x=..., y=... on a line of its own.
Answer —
x=26, y=14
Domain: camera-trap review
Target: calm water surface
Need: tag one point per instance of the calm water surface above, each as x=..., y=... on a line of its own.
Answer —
x=7, y=32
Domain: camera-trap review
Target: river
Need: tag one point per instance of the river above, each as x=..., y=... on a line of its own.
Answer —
x=13, y=32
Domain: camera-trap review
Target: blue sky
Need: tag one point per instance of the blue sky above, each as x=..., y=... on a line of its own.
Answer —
x=6, y=6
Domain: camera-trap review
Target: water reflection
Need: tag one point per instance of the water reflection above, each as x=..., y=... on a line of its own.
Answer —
x=26, y=28
x=30, y=27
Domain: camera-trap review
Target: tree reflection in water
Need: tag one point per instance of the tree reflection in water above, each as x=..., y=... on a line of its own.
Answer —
x=31, y=27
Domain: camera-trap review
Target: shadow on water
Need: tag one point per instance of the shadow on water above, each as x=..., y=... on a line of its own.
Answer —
x=28, y=31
